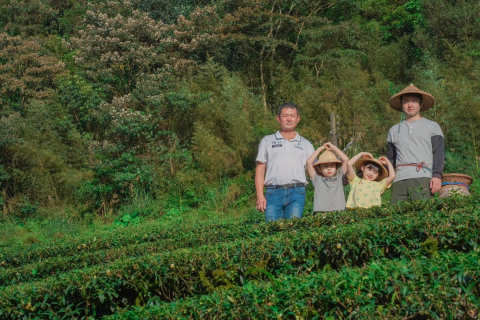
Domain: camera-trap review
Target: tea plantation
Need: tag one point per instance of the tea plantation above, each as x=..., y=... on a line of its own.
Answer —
x=417, y=260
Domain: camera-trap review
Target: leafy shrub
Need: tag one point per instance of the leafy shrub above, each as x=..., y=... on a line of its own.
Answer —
x=82, y=103
x=25, y=72
x=396, y=18
x=28, y=17
x=116, y=181
x=223, y=138
x=168, y=11
x=117, y=43
x=452, y=22
x=129, y=218
x=445, y=286
x=129, y=130
x=28, y=209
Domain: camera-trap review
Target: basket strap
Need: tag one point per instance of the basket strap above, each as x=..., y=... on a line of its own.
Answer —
x=456, y=184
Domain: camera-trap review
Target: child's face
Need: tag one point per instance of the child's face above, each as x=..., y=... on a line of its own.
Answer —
x=328, y=169
x=370, y=172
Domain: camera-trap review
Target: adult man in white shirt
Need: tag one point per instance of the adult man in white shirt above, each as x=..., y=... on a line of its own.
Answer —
x=281, y=162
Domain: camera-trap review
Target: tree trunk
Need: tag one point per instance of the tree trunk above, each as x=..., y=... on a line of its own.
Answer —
x=333, y=129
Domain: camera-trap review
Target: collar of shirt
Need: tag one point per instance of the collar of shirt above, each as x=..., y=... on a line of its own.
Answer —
x=412, y=124
x=419, y=122
x=279, y=136
x=409, y=125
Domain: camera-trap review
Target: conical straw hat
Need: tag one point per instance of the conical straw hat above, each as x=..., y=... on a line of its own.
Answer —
x=327, y=157
x=382, y=174
x=427, y=99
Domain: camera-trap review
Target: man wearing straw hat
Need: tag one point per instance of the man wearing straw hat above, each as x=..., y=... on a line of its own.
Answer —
x=281, y=161
x=415, y=147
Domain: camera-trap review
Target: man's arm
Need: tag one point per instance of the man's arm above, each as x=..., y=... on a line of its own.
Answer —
x=392, y=154
x=438, y=149
x=259, y=184
x=391, y=150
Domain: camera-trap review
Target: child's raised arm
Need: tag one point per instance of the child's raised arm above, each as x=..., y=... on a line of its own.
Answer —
x=391, y=169
x=311, y=160
x=351, y=162
x=339, y=153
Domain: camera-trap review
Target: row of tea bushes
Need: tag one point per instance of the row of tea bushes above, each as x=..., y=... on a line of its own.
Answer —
x=102, y=290
x=214, y=234
x=183, y=237
x=121, y=236
x=446, y=286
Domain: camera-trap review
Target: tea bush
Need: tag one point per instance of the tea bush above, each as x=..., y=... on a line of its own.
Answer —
x=42, y=262
x=100, y=290
x=446, y=286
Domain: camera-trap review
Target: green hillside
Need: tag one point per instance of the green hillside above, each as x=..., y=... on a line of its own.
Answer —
x=106, y=103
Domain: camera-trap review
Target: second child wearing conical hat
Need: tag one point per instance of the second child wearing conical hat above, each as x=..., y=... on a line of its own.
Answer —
x=416, y=147
x=373, y=179
x=326, y=173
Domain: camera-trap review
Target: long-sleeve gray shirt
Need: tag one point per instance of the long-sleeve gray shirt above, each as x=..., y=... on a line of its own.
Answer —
x=420, y=141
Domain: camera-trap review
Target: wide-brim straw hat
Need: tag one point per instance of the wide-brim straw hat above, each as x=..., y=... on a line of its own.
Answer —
x=382, y=174
x=327, y=157
x=427, y=99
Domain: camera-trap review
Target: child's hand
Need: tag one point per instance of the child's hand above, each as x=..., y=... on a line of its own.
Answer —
x=366, y=155
x=383, y=160
x=329, y=146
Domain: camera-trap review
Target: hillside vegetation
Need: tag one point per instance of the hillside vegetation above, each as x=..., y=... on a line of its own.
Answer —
x=112, y=105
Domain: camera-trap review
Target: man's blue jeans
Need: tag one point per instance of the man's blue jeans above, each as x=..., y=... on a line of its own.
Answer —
x=284, y=203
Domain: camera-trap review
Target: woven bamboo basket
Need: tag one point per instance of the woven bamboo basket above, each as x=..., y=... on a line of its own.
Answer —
x=457, y=183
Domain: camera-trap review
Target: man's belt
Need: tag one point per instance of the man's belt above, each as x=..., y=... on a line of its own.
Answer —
x=418, y=165
x=285, y=186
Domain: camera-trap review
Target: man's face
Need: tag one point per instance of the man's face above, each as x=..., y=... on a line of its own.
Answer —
x=288, y=119
x=411, y=105
x=370, y=172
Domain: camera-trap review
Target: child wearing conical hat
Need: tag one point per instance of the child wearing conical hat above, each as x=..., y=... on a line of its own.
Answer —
x=373, y=179
x=326, y=173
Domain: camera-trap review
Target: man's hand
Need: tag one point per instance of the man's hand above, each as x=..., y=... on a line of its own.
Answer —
x=261, y=203
x=259, y=184
x=435, y=185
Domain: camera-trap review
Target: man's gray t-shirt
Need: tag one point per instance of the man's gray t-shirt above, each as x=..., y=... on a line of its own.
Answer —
x=413, y=144
x=285, y=159
x=329, y=194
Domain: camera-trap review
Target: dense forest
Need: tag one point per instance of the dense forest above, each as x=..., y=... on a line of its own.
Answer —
x=105, y=103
